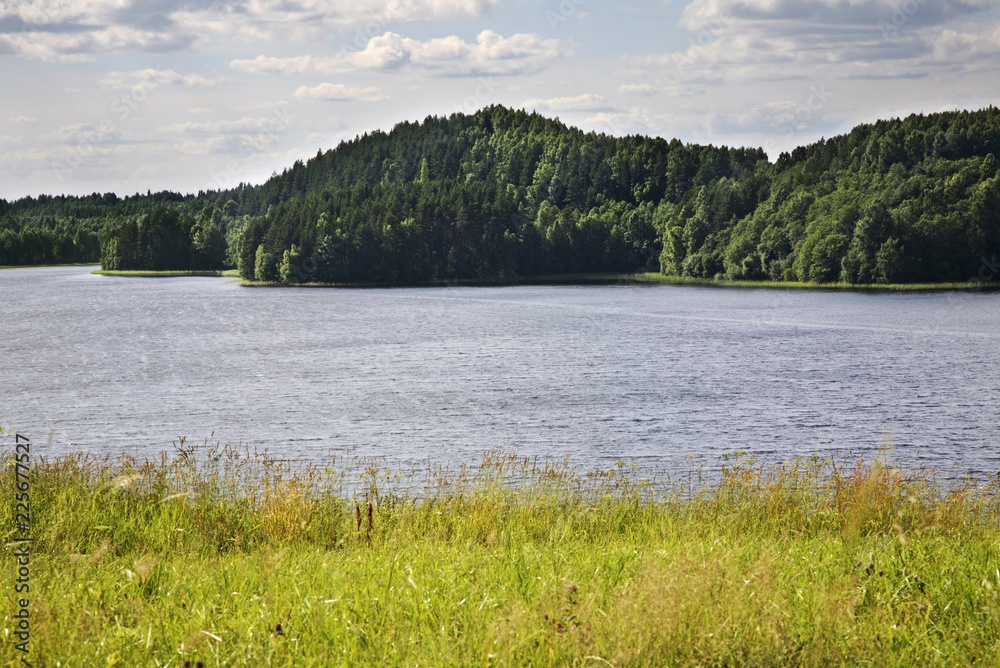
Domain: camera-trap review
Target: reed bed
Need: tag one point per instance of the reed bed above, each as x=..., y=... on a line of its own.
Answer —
x=222, y=556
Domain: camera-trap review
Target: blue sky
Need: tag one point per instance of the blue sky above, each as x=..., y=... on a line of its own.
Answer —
x=130, y=95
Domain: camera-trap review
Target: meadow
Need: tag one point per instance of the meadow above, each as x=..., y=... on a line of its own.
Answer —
x=219, y=556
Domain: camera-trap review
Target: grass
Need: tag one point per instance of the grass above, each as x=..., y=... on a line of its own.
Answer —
x=792, y=285
x=555, y=279
x=649, y=278
x=164, y=274
x=43, y=266
x=228, y=557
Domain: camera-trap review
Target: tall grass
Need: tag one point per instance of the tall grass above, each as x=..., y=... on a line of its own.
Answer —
x=230, y=557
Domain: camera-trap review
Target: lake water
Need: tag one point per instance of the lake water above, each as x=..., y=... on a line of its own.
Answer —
x=649, y=374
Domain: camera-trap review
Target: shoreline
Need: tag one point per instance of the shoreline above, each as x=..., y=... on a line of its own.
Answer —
x=646, y=279
x=48, y=266
x=142, y=273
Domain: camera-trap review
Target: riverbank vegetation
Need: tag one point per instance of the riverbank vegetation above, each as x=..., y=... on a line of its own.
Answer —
x=637, y=278
x=503, y=193
x=228, y=557
x=163, y=273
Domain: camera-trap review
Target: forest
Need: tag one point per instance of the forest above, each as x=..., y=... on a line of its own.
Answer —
x=504, y=193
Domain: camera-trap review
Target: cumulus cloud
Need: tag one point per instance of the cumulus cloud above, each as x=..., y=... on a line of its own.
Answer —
x=339, y=93
x=72, y=30
x=733, y=40
x=585, y=102
x=491, y=54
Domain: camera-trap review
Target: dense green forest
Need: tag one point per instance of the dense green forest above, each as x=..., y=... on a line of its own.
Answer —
x=505, y=193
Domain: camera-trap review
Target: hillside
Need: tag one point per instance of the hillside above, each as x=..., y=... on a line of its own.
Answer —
x=504, y=193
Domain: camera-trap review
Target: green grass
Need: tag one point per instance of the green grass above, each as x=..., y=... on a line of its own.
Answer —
x=237, y=560
x=556, y=279
x=648, y=278
x=781, y=285
x=164, y=274
x=43, y=266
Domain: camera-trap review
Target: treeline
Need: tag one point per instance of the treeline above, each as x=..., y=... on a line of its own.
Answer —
x=501, y=193
x=35, y=246
x=166, y=239
x=64, y=229
x=900, y=201
x=506, y=193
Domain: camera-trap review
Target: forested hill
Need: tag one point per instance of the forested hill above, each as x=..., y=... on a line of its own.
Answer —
x=500, y=193
x=504, y=193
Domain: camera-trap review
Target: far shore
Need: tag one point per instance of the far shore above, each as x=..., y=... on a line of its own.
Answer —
x=639, y=278
x=650, y=278
x=164, y=274
x=47, y=266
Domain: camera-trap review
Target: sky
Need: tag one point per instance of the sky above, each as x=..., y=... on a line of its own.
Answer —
x=127, y=96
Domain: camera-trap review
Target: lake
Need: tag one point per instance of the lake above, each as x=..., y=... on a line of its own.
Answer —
x=657, y=375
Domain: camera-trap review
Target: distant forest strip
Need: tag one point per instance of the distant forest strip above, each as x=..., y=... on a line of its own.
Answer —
x=504, y=194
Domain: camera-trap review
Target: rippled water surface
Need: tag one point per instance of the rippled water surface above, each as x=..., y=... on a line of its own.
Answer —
x=651, y=374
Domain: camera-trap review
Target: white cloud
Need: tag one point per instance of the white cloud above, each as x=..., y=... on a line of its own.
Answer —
x=235, y=126
x=634, y=121
x=83, y=133
x=491, y=54
x=23, y=120
x=72, y=30
x=638, y=89
x=585, y=102
x=768, y=40
x=978, y=45
x=152, y=77
x=825, y=16
x=385, y=52
x=339, y=93
x=296, y=65
x=67, y=44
